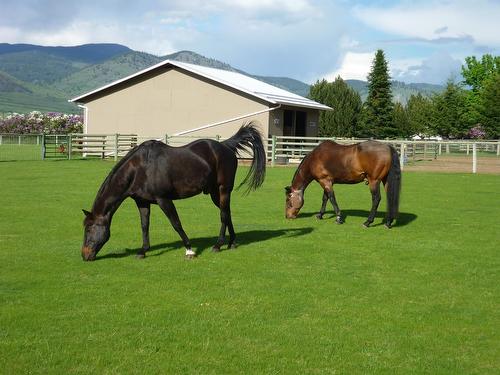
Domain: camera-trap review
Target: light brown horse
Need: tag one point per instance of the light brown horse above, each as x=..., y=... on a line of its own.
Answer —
x=330, y=163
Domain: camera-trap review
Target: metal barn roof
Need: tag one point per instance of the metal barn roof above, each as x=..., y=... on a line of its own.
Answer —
x=238, y=81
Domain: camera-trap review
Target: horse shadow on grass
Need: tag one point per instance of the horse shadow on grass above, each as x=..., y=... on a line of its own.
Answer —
x=404, y=218
x=203, y=243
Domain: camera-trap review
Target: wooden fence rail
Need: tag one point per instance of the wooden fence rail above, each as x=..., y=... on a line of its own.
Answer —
x=280, y=149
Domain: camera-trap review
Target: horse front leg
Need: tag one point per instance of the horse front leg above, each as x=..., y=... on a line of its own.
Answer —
x=336, y=208
x=375, y=190
x=323, y=205
x=167, y=206
x=144, y=211
x=328, y=190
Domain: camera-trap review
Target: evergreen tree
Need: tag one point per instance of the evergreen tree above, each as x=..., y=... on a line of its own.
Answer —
x=346, y=104
x=450, y=112
x=378, y=109
x=420, y=112
x=401, y=121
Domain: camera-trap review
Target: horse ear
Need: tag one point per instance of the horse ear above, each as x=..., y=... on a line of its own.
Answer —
x=288, y=189
x=86, y=212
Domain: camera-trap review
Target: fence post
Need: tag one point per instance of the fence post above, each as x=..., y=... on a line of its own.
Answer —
x=474, y=158
x=166, y=139
x=273, y=150
x=116, y=147
x=70, y=149
x=468, y=146
x=439, y=152
x=498, y=149
x=43, y=146
x=402, y=155
x=447, y=148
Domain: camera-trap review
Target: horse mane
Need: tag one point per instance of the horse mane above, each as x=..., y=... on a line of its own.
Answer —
x=300, y=165
x=115, y=169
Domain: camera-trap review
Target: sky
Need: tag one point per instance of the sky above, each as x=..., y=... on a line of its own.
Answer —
x=423, y=41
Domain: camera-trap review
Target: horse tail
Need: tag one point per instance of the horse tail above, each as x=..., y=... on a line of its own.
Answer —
x=249, y=137
x=393, y=186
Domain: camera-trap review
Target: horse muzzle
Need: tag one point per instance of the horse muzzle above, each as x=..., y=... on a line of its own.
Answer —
x=88, y=254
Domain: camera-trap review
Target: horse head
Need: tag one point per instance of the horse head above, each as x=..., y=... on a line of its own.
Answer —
x=294, y=202
x=95, y=235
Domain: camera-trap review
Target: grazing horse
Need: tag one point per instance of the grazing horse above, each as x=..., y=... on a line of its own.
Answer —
x=154, y=173
x=330, y=163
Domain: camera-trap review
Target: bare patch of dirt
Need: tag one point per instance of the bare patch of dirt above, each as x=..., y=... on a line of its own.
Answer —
x=459, y=164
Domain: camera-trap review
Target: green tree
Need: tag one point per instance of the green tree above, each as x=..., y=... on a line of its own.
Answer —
x=490, y=106
x=420, y=112
x=476, y=72
x=449, y=117
x=377, y=118
x=401, y=121
x=346, y=104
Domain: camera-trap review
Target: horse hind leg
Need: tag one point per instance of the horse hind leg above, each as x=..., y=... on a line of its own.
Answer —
x=222, y=199
x=167, y=206
x=375, y=190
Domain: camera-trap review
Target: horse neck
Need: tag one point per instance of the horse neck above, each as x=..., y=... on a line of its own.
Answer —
x=110, y=196
x=302, y=177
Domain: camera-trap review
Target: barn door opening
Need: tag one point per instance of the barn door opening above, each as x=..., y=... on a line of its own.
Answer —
x=288, y=123
x=300, y=124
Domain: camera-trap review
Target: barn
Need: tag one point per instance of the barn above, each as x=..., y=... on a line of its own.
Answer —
x=176, y=98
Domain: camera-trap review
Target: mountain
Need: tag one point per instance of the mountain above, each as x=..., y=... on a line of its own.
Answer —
x=44, y=78
x=87, y=53
x=401, y=91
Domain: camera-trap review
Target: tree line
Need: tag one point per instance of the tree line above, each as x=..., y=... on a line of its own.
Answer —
x=468, y=109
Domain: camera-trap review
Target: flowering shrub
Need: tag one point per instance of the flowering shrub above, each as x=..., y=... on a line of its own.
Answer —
x=477, y=132
x=37, y=122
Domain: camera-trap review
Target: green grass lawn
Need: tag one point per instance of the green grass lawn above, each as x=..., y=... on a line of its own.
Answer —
x=12, y=152
x=296, y=297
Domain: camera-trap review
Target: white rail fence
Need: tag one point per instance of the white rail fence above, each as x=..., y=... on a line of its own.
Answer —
x=280, y=149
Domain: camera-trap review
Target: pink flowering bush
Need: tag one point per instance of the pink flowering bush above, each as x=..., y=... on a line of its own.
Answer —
x=37, y=123
x=477, y=132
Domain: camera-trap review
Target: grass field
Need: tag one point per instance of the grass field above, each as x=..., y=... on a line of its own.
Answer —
x=296, y=297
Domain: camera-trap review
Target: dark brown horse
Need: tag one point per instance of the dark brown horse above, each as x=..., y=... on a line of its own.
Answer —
x=154, y=173
x=330, y=163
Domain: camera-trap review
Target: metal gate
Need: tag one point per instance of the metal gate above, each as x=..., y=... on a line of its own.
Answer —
x=56, y=146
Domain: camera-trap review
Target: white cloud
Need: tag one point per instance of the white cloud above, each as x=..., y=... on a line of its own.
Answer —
x=435, y=20
x=354, y=66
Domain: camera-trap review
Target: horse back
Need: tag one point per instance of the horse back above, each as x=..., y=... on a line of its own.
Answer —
x=350, y=163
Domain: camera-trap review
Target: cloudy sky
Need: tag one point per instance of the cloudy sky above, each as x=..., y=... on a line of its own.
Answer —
x=424, y=41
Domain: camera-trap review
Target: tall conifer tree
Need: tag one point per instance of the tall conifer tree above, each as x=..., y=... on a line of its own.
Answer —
x=378, y=108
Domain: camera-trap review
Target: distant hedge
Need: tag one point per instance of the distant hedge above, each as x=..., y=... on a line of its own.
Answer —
x=37, y=122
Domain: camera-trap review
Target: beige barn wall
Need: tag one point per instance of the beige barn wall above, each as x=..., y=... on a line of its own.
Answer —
x=171, y=102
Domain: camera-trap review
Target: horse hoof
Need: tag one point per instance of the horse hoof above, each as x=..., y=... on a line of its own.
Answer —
x=339, y=221
x=366, y=225
x=189, y=256
x=140, y=256
x=232, y=246
x=319, y=217
x=216, y=249
x=388, y=226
